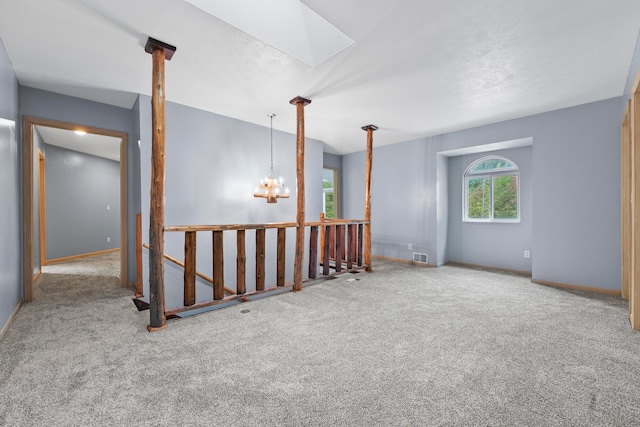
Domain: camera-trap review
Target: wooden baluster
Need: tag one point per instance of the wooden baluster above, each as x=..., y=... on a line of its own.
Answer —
x=300, y=103
x=241, y=264
x=322, y=239
x=189, y=268
x=344, y=243
x=350, y=245
x=360, y=233
x=332, y=243
x=218, y=266
x=260, y=247
x=281, y=254
x=160, y=52
x=313, y=252
x=367, y=196
x=326, y=250
x=339, y=247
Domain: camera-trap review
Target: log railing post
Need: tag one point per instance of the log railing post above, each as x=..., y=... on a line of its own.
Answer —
x=367, y=196
x=300, y=103
x=189, y=268
x=160, y=52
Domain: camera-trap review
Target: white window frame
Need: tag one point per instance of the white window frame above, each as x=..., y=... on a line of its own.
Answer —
x=468, y=174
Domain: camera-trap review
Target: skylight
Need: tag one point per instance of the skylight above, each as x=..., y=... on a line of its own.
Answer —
x=287, y=25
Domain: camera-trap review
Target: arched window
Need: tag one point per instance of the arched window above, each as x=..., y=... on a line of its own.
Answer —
x=492, y=191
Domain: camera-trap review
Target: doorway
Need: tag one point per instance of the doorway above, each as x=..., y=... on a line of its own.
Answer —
x=29, y=126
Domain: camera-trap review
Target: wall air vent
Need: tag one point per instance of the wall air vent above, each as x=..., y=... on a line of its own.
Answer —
x=421, y=258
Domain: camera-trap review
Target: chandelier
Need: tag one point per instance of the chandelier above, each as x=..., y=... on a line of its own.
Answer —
x=270, y=187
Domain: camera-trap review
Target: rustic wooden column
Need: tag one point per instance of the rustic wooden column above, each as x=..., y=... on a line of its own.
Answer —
x=367, y=196
x=160, y=52
x=300, y=103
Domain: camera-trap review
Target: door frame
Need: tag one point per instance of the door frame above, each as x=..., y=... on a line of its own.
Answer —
x=28, y=124
x=42, y=208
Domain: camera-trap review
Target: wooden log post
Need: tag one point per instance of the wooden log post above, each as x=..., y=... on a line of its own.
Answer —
x=300, y=103
x=160, y=52
x=367, y=197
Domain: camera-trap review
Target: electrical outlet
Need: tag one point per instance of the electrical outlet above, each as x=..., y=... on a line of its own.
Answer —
x=108, y=239
x=527, y=254
x=410, y=246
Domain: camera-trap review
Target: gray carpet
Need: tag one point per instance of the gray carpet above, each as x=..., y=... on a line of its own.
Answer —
x=404, y=345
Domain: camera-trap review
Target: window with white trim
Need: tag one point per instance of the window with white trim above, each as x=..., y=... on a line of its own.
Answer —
x=491, y=191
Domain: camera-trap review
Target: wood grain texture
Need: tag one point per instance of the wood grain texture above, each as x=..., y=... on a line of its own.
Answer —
x=156, y=206
x=225, y=227
x=241, y=263
x=625, y=200
x=300, y=103
x=313, y=252
x=200, y=275
x=260, y=262
x=351, y=245
x=189, y=268
x=367, y=196
x=218, y=265
x=281, y=257
x=339, y=245
x=360, y=242
x=326, y=250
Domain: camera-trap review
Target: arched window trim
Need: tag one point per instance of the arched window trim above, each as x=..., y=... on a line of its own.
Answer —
x=491, y=174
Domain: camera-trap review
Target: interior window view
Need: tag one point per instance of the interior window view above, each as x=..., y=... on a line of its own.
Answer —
x=319, y=213
x=329, y=191
x=491, y=190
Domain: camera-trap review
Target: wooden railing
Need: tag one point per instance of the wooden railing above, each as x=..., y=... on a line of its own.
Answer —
x=348, y=248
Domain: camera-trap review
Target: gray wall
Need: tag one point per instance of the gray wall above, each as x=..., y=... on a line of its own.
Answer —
x=495, y=244
x=10, y=208
x=576, y=240
x=334, y=161
x=213, y=165
x=49, y=105
x=79, y=189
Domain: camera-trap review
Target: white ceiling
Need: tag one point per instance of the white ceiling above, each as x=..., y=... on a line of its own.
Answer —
x=417, y=67
x=107, y=147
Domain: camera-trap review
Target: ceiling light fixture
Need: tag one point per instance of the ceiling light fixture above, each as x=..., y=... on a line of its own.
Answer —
x=270, y=186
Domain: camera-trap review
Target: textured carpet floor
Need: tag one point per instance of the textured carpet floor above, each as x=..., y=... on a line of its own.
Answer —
x=402, y=346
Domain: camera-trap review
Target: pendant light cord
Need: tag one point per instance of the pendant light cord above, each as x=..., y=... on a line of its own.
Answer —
x=271, y=115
